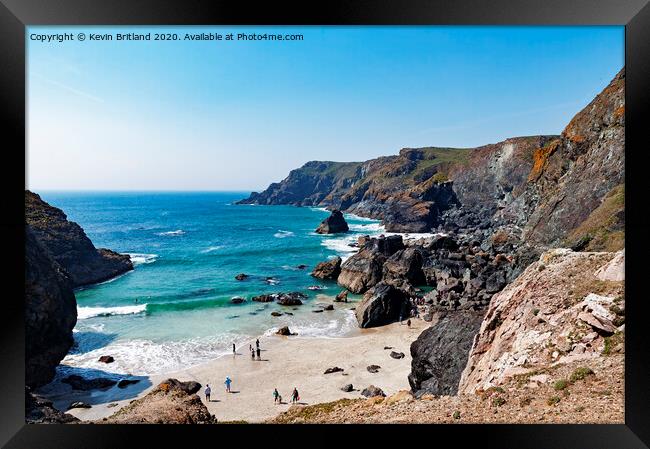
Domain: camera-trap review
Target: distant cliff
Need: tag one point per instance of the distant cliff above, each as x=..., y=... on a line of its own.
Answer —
x=69, y=246
x=529, y=183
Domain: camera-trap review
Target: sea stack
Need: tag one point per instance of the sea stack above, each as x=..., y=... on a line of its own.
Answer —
x=333, y=224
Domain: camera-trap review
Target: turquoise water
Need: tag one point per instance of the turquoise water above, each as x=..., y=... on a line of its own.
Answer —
x=173, y=310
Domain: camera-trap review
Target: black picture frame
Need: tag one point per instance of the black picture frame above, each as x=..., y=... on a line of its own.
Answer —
x=15, y=15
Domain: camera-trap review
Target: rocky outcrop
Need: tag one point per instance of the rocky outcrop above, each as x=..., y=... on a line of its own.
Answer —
x=406, y=264
x=171, y=402
x=329, y=269
x=50, y=312
x=42, y=411
x=556, y=312
x=439, y=355
x=334, y=224
x=364, y=269
x=69, y=246
x=382, y=304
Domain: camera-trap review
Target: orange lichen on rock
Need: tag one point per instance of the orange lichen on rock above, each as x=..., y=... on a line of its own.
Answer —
x=540, y=157
x=619, y=111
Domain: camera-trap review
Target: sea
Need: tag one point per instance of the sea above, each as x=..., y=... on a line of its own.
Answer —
x=174, y=309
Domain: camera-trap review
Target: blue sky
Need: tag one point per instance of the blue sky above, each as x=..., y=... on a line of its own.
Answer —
x=236, y=115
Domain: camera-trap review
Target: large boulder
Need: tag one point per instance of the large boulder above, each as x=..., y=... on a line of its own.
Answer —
x=69, y=246
x=405, y=264
x=440, y=353
x=41, y=411
x=171, y=402
x=382, y=304
x=365, y=268
x=50, y=312
x=333, y=224
x=290, y=299
x=330, y=269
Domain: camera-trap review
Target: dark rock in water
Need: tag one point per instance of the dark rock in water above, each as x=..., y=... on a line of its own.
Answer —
x=288, y=313
x=318, y=311
x=372, y=392
x=373, y=368
x=290, y=299
x=333, y=224
x=364, y=269
x=123, y=383
x=276, y=313
x=241, y=277
x=328, y=307
x=315, y=288
x=342, y=296
x=271, y=280
x=440, y=353
x=397, y=355
x=79, y=404
x=264, y=298
x=301, y=266
x=171, y=402
x=237, y=300
x=106, y=359
x=329, y=269
x=405, y=264
x=388, y=347
x=79, y=383
x=41, y=411
x=334, y=369
x=347, y=388
x=50, y=312
x=69, y=246
x=383, y=304
x=284, y=331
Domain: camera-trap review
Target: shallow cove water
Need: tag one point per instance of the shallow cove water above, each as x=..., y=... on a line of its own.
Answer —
x=173, y=310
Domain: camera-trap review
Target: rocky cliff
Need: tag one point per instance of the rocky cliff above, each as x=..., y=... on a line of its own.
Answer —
x=50, y=312
x=525, y=184
x=68, y=245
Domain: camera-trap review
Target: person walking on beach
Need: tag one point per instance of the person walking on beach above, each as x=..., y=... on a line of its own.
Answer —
x=258, y=354
x=276, y=396
x=228, y=382
x=208, y=390
x=295, y=397
x=408, y=322
x=252, y=354
x=257, y=344
x=233, y=349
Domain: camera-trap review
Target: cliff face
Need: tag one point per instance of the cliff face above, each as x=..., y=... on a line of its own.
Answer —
x=527, y=183
x=567, y=307
x=69, y=246
x=50, y=312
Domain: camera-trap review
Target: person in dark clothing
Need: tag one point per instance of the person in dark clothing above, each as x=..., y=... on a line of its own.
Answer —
x=258, y=353
x=257, y=343
x=295, y=397
x=252, y=354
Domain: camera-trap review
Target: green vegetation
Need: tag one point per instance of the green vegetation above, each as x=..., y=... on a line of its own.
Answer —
x=535, y=312
x=560, y=384
x=456, y=415
x=581, y=373
x=498, y=401
x=612, y=342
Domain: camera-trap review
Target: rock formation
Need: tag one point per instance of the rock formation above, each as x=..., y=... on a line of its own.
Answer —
x=330, y=269
x=557, y=311
x=41, y=411
x=382, y=304
x=440, y=353
x=171, y=402
x=69, y=246
x=334, y=224
x=50, y=312
x=365, y=268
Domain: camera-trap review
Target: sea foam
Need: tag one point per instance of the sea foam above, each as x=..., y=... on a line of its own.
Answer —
x=90, y=312
x=141, y=259
x=172, y=233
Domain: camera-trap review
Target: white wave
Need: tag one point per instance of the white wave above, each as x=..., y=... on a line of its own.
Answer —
x=209, y=249
x=349, y=216
x=283, y=234
x=341, y=245
x=172, y=233
x=319, y=209
x=90, y=312
x=141, y=259
x=145, y=357
x=333, y=328
x=368, y=228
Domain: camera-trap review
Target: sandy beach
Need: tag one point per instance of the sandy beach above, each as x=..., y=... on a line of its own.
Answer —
x=286, y=362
